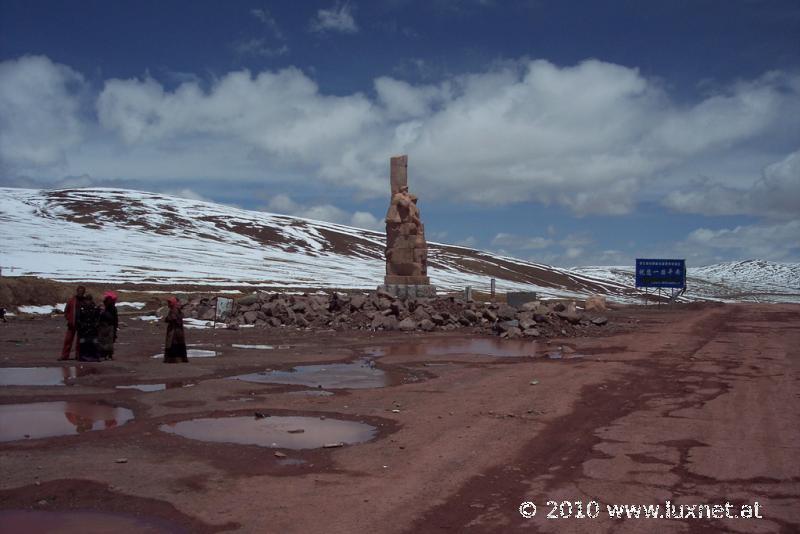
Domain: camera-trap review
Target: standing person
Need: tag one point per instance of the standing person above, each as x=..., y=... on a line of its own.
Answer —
x=71, y=314
x=3, y=314
x=87, y=323
x=107, y=326
x=175, y=343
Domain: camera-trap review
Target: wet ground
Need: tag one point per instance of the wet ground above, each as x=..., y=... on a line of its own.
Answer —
x=408, y=432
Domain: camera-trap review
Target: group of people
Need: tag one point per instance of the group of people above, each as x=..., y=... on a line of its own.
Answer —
x=95, y=328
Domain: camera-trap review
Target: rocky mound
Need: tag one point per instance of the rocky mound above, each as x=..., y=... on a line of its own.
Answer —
x=381, y=311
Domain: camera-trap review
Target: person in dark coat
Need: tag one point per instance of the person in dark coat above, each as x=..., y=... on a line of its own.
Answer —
x=175, y=343
x=71, y=314
x=87, y=320
x=107, y=326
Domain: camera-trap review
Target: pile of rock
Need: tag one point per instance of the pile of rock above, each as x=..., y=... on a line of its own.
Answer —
x=381, y=311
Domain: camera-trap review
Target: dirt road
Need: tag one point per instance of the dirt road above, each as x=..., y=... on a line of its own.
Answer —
x=697, y=405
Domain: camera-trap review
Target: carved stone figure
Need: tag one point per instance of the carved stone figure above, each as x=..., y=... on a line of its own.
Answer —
x=406, y=248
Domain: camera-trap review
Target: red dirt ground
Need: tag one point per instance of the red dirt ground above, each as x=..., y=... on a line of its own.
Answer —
x=696, y=405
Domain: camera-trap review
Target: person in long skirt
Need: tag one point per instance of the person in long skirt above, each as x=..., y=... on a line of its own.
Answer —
x=88, y=317
x=175, y=343
x=107, y=327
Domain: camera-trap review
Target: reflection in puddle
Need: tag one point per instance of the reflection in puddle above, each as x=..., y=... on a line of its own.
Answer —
x=195, y=353
x=262, y=347
x=276, y=432
x=62, y=418
x=83, y=522
x=41, y=376
x=445, y=347
x=156, y=387
x=360, y=374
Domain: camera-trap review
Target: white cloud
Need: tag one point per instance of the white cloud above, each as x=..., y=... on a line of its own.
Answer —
x=779, y=241
x=187, y=193
x=517, y=242
x=776, y=194
x=39, y=114
x=594, y=137
x=268, y=20
x=338, y=18
x=284, y=204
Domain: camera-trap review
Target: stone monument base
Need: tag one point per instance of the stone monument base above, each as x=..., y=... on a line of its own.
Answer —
x=397, y=279
x=409, y=291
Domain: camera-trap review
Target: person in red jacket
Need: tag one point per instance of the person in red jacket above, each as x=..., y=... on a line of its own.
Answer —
x=71, y=315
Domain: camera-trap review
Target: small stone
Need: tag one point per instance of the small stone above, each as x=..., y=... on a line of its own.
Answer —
x=278, y=454
x=296, y=431
x=43, y=502
x=332, y=445
x=395, y=411
x=600, y=321
x=534, y=382
x=121, y=461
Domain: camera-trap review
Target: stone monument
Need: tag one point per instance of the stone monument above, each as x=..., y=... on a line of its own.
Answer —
x=406, y=248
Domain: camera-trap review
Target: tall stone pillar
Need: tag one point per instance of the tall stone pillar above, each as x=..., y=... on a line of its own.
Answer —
x=406, y=248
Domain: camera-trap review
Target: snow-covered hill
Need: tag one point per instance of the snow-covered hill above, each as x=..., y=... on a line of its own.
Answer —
x=123, y=236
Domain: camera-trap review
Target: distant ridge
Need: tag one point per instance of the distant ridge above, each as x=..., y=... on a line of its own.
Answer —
x=124, y=236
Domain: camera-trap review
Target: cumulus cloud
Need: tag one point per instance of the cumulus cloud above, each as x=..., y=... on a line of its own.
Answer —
x=39, y=114
x=338, y=18
x=593, y=137
x=777, y=242
x=776, y=194
x=284, y=204
x=518, y=242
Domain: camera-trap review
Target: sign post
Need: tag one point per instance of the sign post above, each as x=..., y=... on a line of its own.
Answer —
x=661, y=274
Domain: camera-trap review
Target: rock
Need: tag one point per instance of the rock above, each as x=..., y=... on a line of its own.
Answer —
x=232, y=326
x=464, y=321
x=600, y=321
x=534, y=382
x=506, y=312
x=357, y=302
x=296, y=431
x=573, y=317
x=332, y=445
x=301, y=321
x=208, y=315
x=531, y=306
x=490, y=315
x=558, y=307
x=420, y=314
x=274, y=322
x=427, y=325
x=384, y=304
x=471, y=316
x=595, y=303
x=513, y=332
x=278, y=454
x=261, y=315
x=250, y=317
x=407, y=324
x=299, y=307
x=530, y=332
x=437, y=319
x=121, y=461
x=504, y=326
x=247, y=300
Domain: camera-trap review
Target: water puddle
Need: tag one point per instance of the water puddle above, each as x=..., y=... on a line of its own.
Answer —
x=156, y=387
x=262, y=347
x=361, y=374
x=277, y=432
x=61, y=418
x=42, y=376
x=194, y=353
x=496, y=347
x=81, y=522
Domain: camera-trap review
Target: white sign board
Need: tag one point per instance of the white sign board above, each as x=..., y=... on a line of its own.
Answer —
x=224, y=308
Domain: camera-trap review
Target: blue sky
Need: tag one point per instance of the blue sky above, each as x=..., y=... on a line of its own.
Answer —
x=564, y=132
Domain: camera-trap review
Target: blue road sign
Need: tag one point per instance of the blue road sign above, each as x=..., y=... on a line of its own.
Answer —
x=660, y=273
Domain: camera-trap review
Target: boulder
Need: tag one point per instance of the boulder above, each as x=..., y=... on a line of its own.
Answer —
x=407, y=324
x=427, y=325
x=600, y=321
x=247, y=300
x=357, y=302
x=420, y=314
x=250, y=317
x=490, y=315
x=595, y=303
x=301, y=321
x=470, y=316
x=437, y=319
x=531, y=332
x=506, y=312
x=208, y=315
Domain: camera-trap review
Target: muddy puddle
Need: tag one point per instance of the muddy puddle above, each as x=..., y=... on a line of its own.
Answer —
x=42, y=376
x=194, y=353
x=495, y=347
x=157, y=387
x=257, y=347
x=61, y=418
x=360, y=374
x=81, y=522
x=279, y=432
